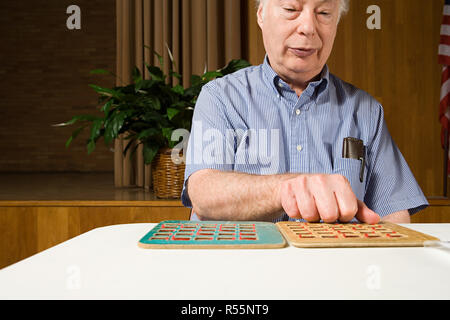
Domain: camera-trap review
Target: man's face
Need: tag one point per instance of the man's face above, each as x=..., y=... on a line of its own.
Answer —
x=298, y=35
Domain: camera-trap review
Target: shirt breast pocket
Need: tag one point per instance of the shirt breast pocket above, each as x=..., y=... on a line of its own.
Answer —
x=351, y=168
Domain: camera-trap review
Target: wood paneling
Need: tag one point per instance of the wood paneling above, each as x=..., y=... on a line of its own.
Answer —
x=433, y=214
x=398, y=66
x=437, y=212
x=27, y=228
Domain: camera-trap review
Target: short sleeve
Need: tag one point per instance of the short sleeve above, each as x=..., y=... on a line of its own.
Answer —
x=211, y=142
x=391, y=186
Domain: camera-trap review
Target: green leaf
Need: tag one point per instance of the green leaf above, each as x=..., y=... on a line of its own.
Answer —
x=160, y=59
x=112, y=128
x=156, y=73
x=118, y=123
x=181, y=104
x=234, y=65
x=95, y=129
x=155, y=102
x=151, y=116
x=167, y=133
x=138, y=86
x=75, y=134
x=106, y=92
x=211, y=75
x=178, y=89
x=175, y=74
x=91, y=146
x=195, y=80
x=136, y=74
x=192, y=91
x=150, y=151
x=137, y=79
x=172, y=144
x=147, y=84
x=84, y=117
x=107, y=107
x=147, y=133
x=172, y=112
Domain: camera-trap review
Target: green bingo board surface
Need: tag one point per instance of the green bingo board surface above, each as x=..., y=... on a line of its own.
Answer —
x=176, y=234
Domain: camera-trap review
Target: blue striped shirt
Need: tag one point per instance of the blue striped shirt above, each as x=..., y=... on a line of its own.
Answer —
x=251, y=121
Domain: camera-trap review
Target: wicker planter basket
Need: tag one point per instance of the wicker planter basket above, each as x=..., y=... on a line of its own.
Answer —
x=167, y=176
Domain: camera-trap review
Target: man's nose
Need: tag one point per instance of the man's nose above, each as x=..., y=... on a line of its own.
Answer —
x=307, y=23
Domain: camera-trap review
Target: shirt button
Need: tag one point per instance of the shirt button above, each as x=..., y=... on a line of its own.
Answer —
x=298, y=112
x=299, y=148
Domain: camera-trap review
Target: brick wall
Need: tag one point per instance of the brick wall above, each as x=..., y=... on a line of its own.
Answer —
x=44, y=78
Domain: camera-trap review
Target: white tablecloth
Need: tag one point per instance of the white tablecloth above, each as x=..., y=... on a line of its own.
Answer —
x=106, y=263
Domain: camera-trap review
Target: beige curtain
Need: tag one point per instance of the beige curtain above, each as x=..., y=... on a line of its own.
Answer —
x=199, y=33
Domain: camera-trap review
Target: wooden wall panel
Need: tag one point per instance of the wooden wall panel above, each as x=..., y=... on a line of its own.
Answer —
x=18, y=234
x=28, y=229
x=433, y=214
x=398, y=66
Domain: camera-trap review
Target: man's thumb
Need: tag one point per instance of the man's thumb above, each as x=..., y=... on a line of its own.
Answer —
x=366, y=215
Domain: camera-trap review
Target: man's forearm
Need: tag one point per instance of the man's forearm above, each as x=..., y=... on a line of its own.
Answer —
x=218, y=195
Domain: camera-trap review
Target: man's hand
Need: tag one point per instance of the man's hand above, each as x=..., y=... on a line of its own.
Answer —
x=330, y=198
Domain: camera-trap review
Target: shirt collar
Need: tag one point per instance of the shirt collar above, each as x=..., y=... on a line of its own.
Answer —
x=275, y=80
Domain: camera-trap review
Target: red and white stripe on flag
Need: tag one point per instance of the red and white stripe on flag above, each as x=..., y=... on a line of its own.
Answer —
x=444, y=59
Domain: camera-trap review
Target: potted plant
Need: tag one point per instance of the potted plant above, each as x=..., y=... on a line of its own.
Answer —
x=146, y=112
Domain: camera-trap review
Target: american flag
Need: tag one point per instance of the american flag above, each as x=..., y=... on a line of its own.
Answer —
x=444, y=60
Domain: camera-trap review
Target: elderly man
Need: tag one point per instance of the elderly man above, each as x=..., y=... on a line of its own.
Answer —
x=287, y=140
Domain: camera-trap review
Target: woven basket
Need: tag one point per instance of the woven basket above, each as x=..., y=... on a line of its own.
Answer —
x=168, y=177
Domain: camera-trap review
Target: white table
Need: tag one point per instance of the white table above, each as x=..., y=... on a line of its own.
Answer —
x=106, y=263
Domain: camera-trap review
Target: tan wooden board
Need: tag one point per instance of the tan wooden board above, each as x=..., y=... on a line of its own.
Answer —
x=323, y=235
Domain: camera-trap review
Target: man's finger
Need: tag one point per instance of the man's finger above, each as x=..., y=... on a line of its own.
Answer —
x=321, y=188
x=288, y=201
x=366, y=215
x=347, y=202
x=307, y=206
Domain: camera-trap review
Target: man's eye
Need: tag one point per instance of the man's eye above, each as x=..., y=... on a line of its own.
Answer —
x=324, y=13
x=290, y=9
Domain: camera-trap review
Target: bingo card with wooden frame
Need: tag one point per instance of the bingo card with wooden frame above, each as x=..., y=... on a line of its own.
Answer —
x=323, y=235
x=178, y=234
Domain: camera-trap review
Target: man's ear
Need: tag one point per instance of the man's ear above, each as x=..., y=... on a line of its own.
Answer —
x=259, y=14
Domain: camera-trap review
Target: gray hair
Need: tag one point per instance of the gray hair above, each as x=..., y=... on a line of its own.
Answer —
x=343, y=9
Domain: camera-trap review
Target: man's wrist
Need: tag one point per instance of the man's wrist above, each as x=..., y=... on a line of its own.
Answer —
x=281, y=179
